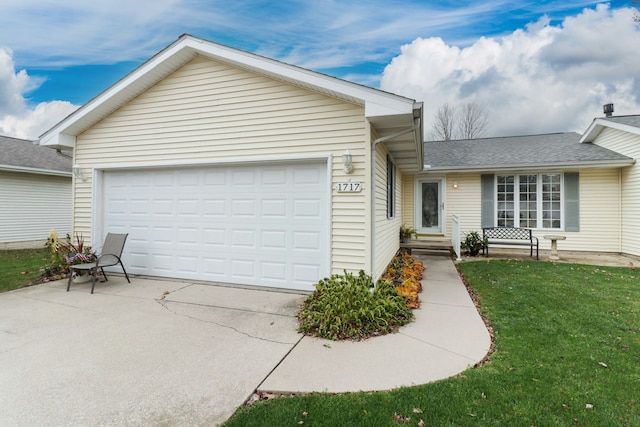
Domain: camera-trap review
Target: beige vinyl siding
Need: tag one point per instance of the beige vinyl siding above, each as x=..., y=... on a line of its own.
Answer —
x=629, y=145
x=387, y=237
x=599, y=203
x=599, y=214
x=31, y=206
x=408, y=200
x=209, y=113
x=463, y=201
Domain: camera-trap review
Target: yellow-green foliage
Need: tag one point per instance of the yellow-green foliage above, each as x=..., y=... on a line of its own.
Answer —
x=405, y=273
x=350, y=307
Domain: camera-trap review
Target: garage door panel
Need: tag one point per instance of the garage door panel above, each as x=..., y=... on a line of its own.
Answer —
x=244, y=208
x=137, y=262
x=307, y=241
x=214, y=237
x=161, y=263
x=274, y=239
x=274, y=177
x=243, y=269
x=215, y=207
x=214, y=268
x=305, y=273
x=162, y=207
x=307, y=175
x=257, y=225
x=243, y=239
x=309, y=208
x=275, y=208
x=215, y=178
x=187, y=264
x=243, y=177
x=274, y=270
x=189, y=207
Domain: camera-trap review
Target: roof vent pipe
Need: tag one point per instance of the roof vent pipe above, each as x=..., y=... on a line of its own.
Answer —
x=608, y=110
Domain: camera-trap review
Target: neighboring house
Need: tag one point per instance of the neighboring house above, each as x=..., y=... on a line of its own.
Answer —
x=585, y=187
x=35, y=193
x=230, y=167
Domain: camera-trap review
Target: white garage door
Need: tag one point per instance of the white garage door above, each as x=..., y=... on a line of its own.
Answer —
x=264, y=225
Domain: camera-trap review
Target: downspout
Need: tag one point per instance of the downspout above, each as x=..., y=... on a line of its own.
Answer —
x=374, y=143
x=621, y=216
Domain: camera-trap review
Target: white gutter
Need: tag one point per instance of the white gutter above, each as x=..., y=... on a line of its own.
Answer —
x=535, y=166
x=374, y=143
x=10, y=168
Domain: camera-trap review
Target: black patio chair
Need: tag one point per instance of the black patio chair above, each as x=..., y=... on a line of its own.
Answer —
x=110, y=255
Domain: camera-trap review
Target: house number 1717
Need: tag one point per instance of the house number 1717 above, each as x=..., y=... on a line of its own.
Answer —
x=349, y=187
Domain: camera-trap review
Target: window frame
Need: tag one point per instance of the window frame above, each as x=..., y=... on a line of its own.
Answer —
x=539, y=200
x=391, y=188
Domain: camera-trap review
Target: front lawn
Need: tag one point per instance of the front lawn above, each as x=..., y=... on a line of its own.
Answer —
x=567, y=354
x=21, y=268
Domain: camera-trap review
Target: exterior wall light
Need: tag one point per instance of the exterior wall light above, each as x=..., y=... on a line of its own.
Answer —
x=77, y=172
x=455, y=185
x=347, y=162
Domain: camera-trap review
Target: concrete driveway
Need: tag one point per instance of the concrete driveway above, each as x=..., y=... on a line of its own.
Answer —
x=128, y=356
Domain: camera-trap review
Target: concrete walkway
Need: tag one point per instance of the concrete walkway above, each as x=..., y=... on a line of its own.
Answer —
x=447, y=337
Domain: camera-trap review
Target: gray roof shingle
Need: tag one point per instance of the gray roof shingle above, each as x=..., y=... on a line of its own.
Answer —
x=21, y=153
x=625, y=120
x=547, y=150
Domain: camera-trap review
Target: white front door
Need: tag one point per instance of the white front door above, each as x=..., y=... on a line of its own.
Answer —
x=429, y=206
x=263, y=225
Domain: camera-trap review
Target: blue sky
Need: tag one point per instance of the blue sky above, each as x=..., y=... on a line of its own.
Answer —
x=63, y=53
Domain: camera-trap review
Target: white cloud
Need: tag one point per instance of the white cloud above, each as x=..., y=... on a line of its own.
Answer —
x=540, y=79
x=12, y=85
x=31, y=123
x=17, y=118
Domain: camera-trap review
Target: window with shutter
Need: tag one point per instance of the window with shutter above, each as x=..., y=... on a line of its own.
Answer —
x=548, y=201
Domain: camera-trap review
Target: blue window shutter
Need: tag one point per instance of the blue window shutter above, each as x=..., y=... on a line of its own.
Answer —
x=572, y=201
x=487, y=190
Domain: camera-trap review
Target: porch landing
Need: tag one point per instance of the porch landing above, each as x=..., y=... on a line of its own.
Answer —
x=429, y=246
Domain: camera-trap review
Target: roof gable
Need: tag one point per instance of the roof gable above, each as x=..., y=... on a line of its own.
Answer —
x=387, y=112
x=630, y=124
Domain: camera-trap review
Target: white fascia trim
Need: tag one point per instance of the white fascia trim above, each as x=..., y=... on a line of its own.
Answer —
x=36, y=171
x=599, y=124
x=540, y=166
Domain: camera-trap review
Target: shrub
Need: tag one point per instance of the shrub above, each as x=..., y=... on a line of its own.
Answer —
x=407, y=232
x=350, y=307
x=65, y=253
x=473, y=243
x=405, y=273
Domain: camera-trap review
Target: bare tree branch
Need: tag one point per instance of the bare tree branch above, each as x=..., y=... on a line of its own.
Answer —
x=472, y=121
x=467, y=122
x=636, y=15
x=443, y=123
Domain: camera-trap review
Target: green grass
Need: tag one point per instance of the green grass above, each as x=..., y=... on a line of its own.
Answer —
x=21, y=268
x=567, y=336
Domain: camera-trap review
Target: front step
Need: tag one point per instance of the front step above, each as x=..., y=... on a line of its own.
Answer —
x=429, y=247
